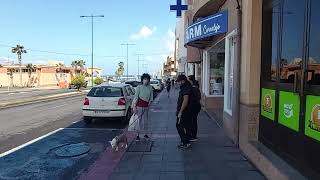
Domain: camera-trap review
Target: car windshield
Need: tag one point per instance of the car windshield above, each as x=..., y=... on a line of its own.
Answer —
x=154, y=82
x=105, y=92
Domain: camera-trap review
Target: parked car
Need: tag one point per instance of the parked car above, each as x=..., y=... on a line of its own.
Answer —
x=108, y=101
x=156, y=85
x=133, y=83
x=161, y=83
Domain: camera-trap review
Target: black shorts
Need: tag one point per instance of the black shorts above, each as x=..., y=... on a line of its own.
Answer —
x=168, y=88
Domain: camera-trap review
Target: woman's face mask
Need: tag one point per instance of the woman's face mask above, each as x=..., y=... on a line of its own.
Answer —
x=145, y=82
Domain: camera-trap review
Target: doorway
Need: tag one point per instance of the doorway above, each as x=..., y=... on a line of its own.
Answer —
x=290, y=82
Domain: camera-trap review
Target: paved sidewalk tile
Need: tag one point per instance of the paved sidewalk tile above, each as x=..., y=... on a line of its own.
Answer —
x=214, y=156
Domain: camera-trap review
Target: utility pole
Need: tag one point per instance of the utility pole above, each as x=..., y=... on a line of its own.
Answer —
x=127, y=44
x=92, y=16
x=139, y=62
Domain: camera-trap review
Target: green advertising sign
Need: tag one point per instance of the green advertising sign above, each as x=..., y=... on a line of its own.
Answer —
x=268, y=103
x=312, y=121
x=289, y=110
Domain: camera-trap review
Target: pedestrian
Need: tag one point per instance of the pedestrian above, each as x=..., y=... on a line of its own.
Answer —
x=172, y=83
x=168, y=84
x=195, y=107
x=184, y=118
x=141, y=102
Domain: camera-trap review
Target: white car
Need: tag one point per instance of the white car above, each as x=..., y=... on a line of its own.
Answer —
x=156, y=85
x=108, y=101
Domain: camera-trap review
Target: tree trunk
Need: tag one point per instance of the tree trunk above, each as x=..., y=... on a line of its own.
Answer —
x=20, y=70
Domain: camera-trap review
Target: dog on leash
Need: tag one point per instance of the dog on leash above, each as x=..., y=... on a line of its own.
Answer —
x=119, y=141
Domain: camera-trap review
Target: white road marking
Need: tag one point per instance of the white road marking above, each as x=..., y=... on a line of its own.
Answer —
x=60, y=105
x=28, y=143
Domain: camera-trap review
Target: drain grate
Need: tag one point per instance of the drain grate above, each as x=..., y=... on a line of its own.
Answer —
x=140, y=146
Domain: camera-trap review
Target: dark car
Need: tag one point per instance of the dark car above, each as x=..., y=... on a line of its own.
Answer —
x=133, y=83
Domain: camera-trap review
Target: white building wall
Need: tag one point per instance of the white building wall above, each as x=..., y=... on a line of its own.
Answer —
x=181, y=50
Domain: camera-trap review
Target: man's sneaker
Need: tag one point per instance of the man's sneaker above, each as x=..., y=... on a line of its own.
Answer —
x=138, y=138
x=146, y=137
x=180, y=145
x=193, y=139
x=184, y=146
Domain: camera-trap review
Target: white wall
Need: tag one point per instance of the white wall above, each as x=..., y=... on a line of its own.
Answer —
x=182, y=51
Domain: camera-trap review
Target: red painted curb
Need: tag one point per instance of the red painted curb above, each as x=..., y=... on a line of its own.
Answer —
x=104, y=166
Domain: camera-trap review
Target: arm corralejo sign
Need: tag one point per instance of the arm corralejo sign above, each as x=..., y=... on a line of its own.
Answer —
x=210, y=26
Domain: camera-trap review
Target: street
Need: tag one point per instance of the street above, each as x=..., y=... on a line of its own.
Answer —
x=50, y=141
x=15, y=95
x=38, y=119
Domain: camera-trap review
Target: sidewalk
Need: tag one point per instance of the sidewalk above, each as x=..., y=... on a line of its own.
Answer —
x=212, y=157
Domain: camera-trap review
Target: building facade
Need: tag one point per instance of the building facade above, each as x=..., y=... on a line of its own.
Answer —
x=170, y=67
x=41, y=75
x=258, y=65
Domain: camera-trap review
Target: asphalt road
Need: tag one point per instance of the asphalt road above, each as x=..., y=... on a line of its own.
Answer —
x=59, y=125
x=6, y=97
x=21, y=124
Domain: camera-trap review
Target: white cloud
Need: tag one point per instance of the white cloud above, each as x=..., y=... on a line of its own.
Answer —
x=144, y=33
x=170, y=40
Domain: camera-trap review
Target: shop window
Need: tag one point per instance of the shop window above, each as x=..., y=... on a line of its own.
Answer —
x=314, y=48
x=271, y=17
x=214, y=64
x=292, y=48
x=229, y=75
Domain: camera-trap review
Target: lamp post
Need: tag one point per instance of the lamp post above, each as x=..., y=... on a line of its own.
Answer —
x=92, y=16
x=127, y=44
x=139, y=63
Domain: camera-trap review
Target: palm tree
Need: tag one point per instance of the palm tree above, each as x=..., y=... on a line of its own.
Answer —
x=19, y=50
x=59, y=67
x=78, y=63
x=30, y=68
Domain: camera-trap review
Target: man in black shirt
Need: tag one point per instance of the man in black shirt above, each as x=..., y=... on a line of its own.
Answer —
x=195, y=107
x=184, y=118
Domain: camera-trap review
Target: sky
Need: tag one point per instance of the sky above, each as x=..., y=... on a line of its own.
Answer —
x=53, y=30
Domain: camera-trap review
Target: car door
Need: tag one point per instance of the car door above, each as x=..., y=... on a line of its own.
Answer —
x=128, y=96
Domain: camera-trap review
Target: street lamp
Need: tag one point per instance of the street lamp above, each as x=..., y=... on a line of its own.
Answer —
x=92, y=16
x=139, y=63
x=127, y=44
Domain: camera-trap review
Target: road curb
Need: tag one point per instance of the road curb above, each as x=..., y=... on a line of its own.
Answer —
x=41, y=99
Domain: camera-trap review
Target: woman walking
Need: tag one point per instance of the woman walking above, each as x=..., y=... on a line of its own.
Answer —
x=141, y=102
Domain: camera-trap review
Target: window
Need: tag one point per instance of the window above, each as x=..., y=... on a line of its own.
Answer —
x=105, y=92
x=216, y=63
x=314, y=48
x=129, y=90
x=292, y=48
x=229, y=76
x=271, y=16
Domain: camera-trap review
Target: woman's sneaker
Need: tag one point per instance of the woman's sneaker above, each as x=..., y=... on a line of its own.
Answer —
x=146, y=137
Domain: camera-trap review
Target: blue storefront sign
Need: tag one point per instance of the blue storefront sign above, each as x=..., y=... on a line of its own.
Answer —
x=210, y=26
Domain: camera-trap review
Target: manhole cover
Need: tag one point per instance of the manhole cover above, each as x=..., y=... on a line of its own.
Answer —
x=72, y=150
x=140, y=146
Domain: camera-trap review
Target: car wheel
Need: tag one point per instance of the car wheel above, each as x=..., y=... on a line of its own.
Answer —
x=87, y=120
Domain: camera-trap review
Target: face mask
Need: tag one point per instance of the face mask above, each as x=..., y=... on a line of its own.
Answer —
x=145, y=82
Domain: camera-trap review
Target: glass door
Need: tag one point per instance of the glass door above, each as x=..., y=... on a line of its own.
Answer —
x=290, y=82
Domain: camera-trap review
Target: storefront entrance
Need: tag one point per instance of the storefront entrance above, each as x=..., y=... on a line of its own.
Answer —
x=290, y=82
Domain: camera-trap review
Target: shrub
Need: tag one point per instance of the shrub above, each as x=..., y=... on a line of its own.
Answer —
x=78, y=81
